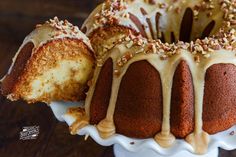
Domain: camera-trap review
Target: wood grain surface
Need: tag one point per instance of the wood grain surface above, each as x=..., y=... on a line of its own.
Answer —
x=17, y=19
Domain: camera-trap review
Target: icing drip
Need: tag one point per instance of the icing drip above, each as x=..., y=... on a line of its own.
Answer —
x=106, y=127
x=165, y=138
x=199, y=142
x=81, y=122
x=81, y=119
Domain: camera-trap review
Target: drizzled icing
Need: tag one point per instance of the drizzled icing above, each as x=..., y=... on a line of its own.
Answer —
x=164, y=57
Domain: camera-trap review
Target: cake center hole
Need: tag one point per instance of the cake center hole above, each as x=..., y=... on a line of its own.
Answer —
x=187, y=26
x=185, y=32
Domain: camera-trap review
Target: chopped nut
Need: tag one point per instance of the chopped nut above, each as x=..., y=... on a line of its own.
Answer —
x=197, y=59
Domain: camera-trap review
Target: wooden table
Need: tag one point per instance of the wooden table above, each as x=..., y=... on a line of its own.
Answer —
x=17, y=19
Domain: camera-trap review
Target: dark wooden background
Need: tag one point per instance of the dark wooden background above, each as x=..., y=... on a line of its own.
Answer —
x=17, y=19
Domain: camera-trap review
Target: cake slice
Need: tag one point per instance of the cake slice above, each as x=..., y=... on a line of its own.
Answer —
x=54, y=63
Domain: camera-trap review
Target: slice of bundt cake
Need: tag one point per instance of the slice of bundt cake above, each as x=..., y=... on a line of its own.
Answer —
x=179, y=85
x=54, y=63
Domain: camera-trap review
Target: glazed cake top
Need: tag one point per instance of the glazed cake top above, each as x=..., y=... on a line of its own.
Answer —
x=56, y=29
x=141, y=16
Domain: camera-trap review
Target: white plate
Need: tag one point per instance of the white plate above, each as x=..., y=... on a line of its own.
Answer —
x=137, y=146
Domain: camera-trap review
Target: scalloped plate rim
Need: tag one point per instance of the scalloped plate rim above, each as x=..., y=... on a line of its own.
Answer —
x=227, y=142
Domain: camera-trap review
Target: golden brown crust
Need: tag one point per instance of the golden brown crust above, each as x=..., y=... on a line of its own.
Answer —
x=219, y=98
x=182, y=102
x=139, y=104
x=9, y=82
x=103, y=39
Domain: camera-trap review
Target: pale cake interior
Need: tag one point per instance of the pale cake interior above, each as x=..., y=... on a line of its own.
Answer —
x=58, y=70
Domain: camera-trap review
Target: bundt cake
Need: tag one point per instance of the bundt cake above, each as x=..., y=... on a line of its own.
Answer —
x=164, y=69
x=53, y=63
